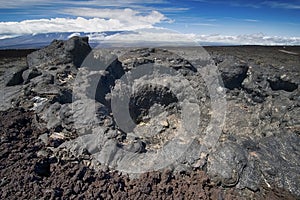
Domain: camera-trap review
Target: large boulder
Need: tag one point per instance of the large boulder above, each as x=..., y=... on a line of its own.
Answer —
x=245, y=163
x=13, y=76
x=59, y=52
x=233, y=73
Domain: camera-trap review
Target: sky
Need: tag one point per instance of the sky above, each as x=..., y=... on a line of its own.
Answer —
x=233, y=21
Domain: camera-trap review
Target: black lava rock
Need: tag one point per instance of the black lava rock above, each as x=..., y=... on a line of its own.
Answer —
x=233, y=74
x=58, y=52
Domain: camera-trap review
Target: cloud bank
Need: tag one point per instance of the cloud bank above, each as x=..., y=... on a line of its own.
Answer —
x=167, y=37
x=103, y=20
x=248, y=39
x=146, y=37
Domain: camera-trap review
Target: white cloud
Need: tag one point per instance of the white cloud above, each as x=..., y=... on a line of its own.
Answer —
x=147, y=37
x=25, y=3
x=162, y=37
x=58, y=25
x=166, y=37
x=104, y=20
x=126, y=16
x=251, y=20
x=97, y=3
x=285, y=5
x=250, y=39
x=74, y=34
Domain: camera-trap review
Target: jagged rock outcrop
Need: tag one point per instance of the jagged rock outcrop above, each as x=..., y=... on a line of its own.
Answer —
x=60, y=52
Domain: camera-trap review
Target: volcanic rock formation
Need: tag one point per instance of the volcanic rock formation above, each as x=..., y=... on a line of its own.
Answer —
x=116, y=107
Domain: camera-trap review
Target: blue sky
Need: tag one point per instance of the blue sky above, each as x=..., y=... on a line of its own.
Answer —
x=276, y=19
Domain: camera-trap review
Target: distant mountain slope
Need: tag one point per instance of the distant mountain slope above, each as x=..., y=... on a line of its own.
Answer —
x=42, y=39
x=105, y=39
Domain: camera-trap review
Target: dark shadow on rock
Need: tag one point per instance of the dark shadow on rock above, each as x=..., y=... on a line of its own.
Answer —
x=64, y=97
x=147, y=96
x=42, y=168
x=108, y=69
x=14, y=76
x=233, y=74
x=279, y=84
x=114, y=71
x=30, y=74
